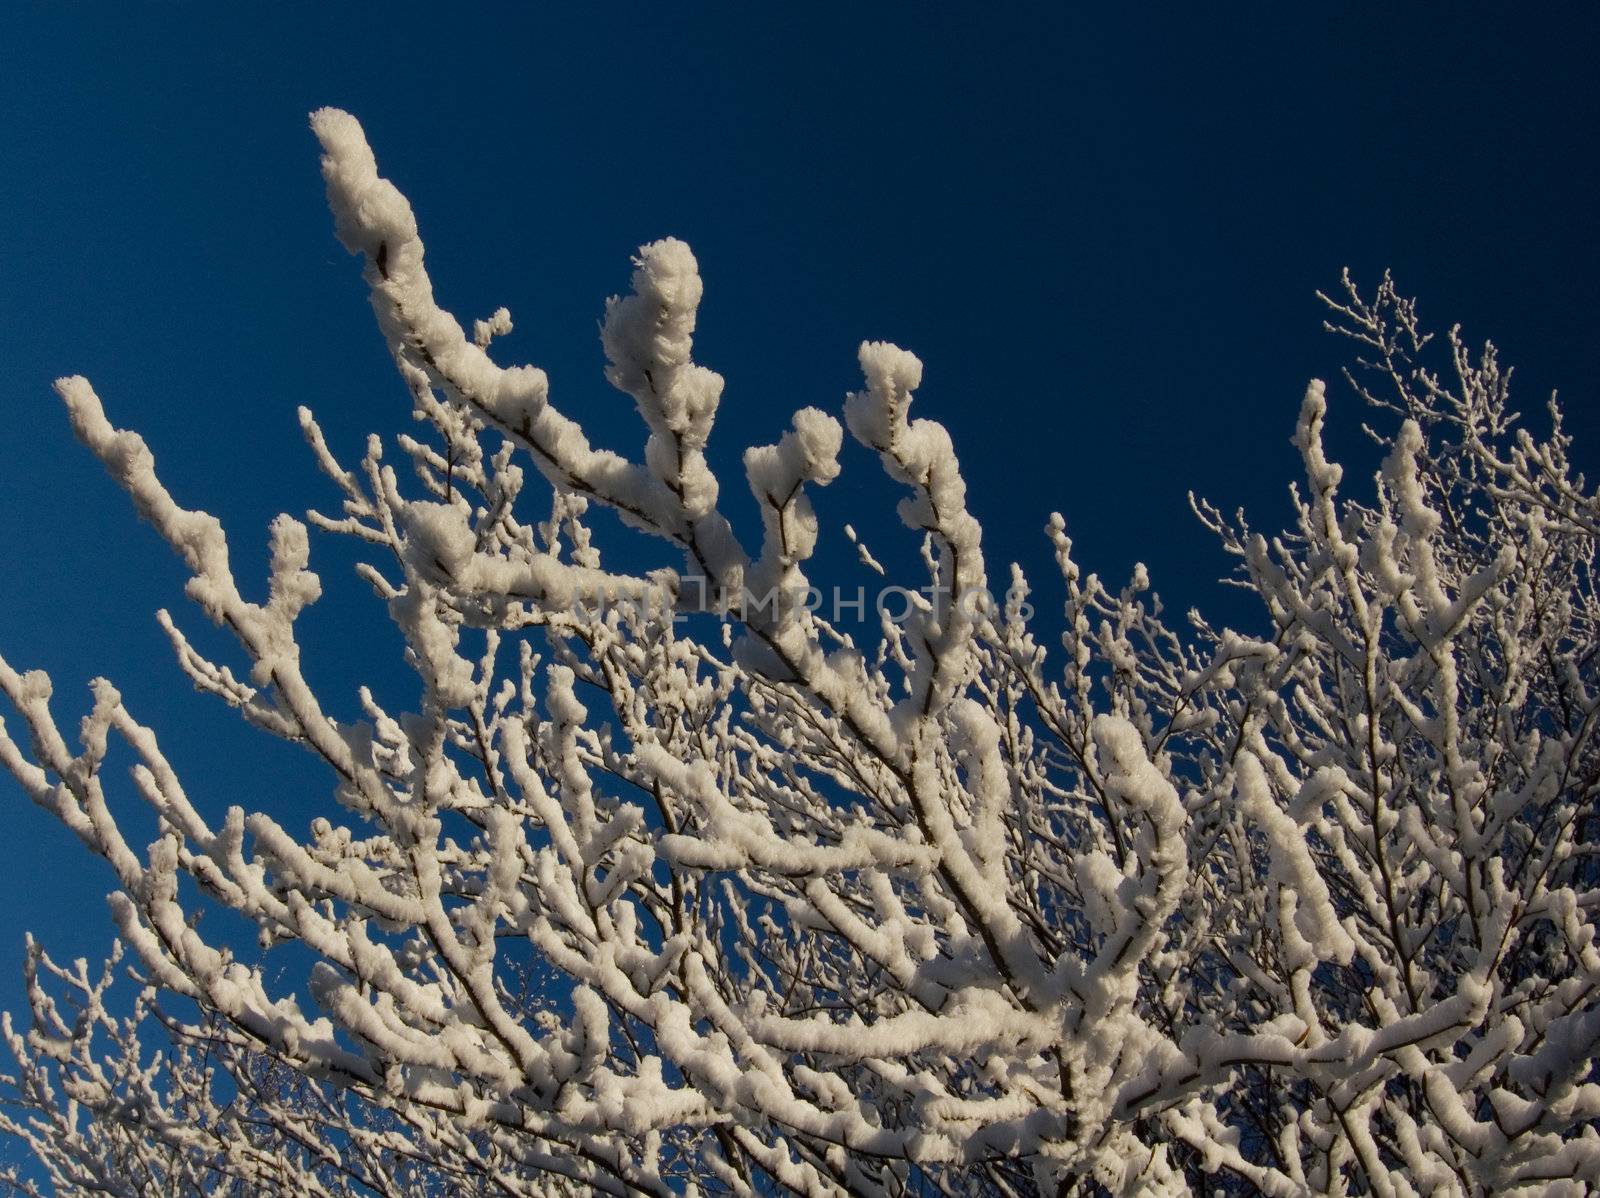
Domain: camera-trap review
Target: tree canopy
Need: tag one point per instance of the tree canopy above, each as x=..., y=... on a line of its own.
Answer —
x=710, y=878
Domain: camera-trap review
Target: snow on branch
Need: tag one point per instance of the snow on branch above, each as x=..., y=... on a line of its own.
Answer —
x=673, y=882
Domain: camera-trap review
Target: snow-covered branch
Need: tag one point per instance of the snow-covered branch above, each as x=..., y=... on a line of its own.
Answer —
x=672, y=883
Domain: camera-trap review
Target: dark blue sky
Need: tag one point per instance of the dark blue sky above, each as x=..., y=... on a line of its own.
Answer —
x=1101, y=231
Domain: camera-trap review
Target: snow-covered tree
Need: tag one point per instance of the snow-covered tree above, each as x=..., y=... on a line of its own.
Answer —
x=679, y=881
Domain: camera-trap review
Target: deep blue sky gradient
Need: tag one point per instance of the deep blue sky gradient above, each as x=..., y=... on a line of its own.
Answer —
x=1100, y=230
